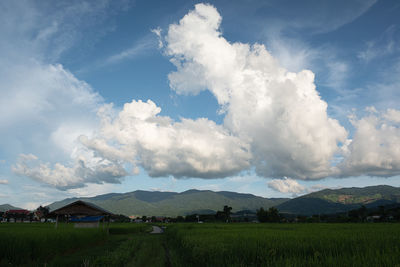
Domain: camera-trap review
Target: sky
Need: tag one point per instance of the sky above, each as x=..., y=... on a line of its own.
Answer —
x=274, y=98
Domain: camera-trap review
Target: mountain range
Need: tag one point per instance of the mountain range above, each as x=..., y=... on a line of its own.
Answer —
x=6, y=207
x=326, y=201
x=156, y=203
x=330, y=201
x=149, y=203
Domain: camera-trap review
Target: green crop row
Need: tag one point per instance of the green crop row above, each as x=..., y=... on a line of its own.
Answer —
x=285, y=244
x=39, y=243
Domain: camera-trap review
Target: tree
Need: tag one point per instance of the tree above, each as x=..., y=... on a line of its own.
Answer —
x=121, y=218
x=227, y=211
x=270, y=215
x=358, y=215
x=363, y=213
x=224, y=215
x=262, y=215
x=42, y=212
x=273, y=215
x=382, y=213
x=191, y=218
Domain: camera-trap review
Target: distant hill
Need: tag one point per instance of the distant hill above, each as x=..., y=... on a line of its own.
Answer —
x=329, y=201
x=6, y=207
x=174, y=204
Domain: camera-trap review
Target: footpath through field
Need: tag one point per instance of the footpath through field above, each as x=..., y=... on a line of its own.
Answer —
x=160, y=230
x=156, y=230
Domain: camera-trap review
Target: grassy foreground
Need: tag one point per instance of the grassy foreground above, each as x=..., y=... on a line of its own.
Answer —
x=40, y=244
x=285, y=244
x=202, y=245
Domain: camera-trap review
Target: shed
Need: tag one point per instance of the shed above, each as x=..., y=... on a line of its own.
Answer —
x=17, y=214
x=83, y=214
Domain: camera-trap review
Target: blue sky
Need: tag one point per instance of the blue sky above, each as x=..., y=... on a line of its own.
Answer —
x=274, y=98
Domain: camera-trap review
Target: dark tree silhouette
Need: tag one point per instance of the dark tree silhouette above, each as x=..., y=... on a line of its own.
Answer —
x=42, y=212
x=224, y=215
x=227, y=211
x=262, y=215
x=270, y=215
x=273, y=215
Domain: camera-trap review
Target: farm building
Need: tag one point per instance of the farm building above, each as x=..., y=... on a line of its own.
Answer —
x=18, y=215
x=83, y=214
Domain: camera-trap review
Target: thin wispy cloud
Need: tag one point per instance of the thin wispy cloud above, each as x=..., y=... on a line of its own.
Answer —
x=140, y=48
x=386, y=44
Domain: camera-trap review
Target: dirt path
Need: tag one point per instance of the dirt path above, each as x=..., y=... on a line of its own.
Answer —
x=159, y=230
x=167, y=256
x=156, y=230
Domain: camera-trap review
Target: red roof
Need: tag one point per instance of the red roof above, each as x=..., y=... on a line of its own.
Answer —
x=18, y=211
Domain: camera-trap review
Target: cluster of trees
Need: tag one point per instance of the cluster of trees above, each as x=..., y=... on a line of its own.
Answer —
x=43, y=213
x=362, y=214
x=390, y=213
x=224, y=215
x=270, y=215
x=220, y=216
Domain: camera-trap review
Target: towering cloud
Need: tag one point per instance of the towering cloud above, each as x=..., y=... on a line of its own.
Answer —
x=278, y=113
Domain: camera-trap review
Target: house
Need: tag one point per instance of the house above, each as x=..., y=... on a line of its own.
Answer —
x=373, y=218
x=82, y=214
x=18, y=215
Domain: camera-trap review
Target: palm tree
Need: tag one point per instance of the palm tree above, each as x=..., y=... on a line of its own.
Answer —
x=227, y=212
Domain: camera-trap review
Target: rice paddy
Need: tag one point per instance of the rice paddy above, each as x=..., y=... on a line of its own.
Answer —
x=219, y=244
x=285, y=244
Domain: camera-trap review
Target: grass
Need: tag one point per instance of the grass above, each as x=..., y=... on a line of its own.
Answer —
x=202, y=245
x=34, y=243
x=285, y=244
x=140, y=250
x=37, y=244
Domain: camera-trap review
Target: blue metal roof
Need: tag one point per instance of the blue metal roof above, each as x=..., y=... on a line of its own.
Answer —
x=86, y=219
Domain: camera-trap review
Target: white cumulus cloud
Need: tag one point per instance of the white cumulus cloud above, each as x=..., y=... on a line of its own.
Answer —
x=187, y=148
x=279, y=113
x=84, y=170
x=44, y=108
x=286, y=185
x=375, y=147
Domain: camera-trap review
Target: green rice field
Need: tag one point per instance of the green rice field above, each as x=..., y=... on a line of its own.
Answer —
x=285, y=244
x=40, y=244
x=219, y=244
